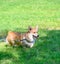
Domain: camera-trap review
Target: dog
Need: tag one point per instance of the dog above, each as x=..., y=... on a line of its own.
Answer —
x=24, y=39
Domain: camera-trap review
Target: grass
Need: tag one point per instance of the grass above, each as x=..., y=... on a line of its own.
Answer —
x=45, y=51
x=17, y=15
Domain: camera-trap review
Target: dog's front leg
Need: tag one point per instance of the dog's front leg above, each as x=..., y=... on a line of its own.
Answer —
x=28, y=43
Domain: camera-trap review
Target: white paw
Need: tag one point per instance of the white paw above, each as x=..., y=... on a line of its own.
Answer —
x=31, y=45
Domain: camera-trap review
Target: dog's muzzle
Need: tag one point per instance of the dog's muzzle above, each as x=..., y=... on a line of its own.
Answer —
x=36, y=36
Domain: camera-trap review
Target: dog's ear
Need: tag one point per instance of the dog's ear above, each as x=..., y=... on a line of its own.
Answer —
x=30, y=28
x=37, y=27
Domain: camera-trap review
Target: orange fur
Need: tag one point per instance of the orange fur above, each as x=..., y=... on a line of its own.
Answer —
x=14, y=37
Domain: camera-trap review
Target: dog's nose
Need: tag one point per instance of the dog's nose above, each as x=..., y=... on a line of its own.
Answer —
x=37, y=35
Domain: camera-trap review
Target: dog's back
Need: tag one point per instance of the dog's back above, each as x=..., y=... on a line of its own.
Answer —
x=13, y=37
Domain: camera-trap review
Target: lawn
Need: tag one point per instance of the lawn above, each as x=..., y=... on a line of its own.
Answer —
x=17, y=15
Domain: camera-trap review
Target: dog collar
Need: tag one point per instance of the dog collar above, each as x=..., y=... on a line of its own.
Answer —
x=32, y=42
x=28, y=41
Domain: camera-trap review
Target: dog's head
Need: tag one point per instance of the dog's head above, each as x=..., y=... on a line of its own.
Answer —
x=32, y=34
x=34, y=31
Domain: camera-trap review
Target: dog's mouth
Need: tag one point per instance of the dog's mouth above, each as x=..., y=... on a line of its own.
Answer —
x=36, y=36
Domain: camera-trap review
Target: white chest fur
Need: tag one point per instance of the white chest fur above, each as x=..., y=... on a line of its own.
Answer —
x=29, y=44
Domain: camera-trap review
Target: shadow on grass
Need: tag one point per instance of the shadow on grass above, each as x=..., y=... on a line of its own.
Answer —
x=45, y=51
x=52, y=39
x=5, y=55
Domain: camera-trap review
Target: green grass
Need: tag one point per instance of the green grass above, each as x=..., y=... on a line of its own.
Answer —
x=45, y=51
x=17, y=15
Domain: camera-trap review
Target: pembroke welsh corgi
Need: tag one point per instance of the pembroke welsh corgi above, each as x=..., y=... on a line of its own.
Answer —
x=24, y=39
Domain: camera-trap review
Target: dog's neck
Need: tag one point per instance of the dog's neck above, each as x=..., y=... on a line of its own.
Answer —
x=29, y=37
x=29, y=40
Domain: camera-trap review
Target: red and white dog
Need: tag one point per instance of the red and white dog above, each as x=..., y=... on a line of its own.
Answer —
x=28, y=38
